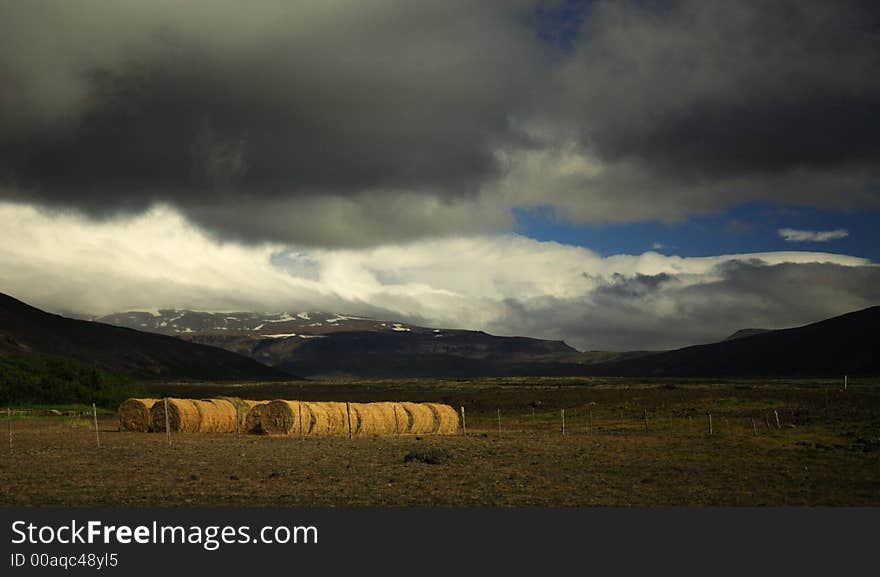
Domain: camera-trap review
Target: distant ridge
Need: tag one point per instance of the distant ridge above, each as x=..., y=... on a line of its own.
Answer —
x=330, y=345
x=847, y=344
x=30, y=331
x=742, y=333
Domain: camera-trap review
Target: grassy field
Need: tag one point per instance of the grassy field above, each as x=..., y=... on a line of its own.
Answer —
x=825, y=451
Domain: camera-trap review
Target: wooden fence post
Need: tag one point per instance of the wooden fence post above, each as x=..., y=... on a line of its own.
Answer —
x=563, y=422
x=396, y=423
x=463, y=422
x=646, y=420
x=710, y=423
x=167, y=426
x=97, y=437
x=348, y=413
x=776, y=414
x=754, y=427
x=237, y=424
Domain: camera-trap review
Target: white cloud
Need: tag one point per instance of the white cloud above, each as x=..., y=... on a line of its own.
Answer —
x=795, y=235
x=505, y=284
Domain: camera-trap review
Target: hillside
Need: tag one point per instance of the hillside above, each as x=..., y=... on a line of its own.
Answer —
x=30, y=331
x=324, y=344
x=847, y=344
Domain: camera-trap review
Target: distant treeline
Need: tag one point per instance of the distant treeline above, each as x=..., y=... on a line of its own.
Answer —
x=47, y=380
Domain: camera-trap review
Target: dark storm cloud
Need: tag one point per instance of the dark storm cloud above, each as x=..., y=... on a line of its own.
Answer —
x=354, y=123
x=723, y=88
x=202, y=105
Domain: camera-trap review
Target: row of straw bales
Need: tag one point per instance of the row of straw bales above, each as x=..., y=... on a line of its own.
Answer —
x=282, y=417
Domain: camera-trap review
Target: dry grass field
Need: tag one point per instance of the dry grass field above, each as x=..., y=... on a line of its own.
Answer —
x=825, y=452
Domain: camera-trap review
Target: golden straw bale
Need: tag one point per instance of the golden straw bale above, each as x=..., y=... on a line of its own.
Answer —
x=330, y=418
x=419, y=418
x=279, y=417
x=217, y=416
x=242, y=406
x=385, y=417
x=134, y=414
x=445, y=418
x=373, y=419
x=253, y=420
x=183, y=416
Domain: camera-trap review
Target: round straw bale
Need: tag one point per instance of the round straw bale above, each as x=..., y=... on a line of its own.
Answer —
x=242, y=406
x=373, y=419
x=183, y=415
x=217, y=416
x=134, y=414
x=253, y=420
x=279, y=417
x=419, y=418
x=328, y=418
x=445, y=418
x=384, y=417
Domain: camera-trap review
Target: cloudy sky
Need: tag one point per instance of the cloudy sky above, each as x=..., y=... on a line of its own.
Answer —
x=620, y=175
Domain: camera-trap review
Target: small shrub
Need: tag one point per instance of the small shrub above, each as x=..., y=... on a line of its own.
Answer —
x=432, y=456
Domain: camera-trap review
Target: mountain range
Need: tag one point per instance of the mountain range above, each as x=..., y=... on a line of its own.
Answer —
x=319, y=344
x=192, y=345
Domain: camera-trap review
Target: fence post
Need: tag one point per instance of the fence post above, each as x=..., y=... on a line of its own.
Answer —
x=754, y=428
x=646, y=419
x=776, y=414
x=237, y=423
x=463, y=422
x=396, y=423
x=97, y=436
x=167, y=426
x=348, y=413
x=563, y=422
x=710, y=423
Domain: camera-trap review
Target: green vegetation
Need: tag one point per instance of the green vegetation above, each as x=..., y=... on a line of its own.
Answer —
x=28, y=380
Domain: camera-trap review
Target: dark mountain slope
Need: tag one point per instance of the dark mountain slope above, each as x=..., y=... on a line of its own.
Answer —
x=451, y=354
x=28, y=330
x=848, y=344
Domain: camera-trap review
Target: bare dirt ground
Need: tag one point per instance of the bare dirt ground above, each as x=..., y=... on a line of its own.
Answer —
x=825, y=452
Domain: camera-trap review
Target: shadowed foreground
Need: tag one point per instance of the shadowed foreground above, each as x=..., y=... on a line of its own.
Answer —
x=818, y=456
